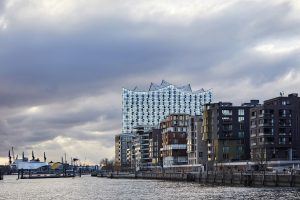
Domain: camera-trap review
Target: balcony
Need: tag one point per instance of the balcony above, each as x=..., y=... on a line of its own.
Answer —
x=253, y=135
x=175, y=147
x=265, y=134
x=285, y=124
x=269, y=143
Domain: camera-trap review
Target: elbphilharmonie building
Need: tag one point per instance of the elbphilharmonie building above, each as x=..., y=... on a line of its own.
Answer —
x=149, y=107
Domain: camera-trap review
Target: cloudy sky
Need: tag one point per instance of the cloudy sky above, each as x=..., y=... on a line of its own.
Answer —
x=63, y=63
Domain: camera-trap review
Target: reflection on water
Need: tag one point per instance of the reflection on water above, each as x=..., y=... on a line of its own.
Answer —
x=88, y=187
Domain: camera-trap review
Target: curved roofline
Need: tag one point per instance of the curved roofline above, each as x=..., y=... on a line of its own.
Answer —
x=164, y=84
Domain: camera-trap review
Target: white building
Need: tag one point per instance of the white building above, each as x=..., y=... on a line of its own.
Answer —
x=140, y=107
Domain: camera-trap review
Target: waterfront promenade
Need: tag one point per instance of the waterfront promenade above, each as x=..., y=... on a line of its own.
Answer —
x=254, y=179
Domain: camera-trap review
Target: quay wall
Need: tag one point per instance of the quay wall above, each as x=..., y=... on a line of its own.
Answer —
x=221, y=178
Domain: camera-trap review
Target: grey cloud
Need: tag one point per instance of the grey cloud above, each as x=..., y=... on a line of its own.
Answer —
x=45, y=64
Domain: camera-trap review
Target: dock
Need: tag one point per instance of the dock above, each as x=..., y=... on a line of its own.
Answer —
x=28, y=174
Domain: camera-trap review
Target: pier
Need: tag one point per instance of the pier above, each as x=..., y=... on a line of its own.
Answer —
x=28, y=174
x=247, y=179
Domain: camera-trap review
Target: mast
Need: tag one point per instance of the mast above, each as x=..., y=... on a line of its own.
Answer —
x=9, y=157
x=45, y=158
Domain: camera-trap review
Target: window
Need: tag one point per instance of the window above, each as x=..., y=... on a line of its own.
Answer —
x=261, y=112
x=225, y=156
x=241, y=112
x=227, y=112
x=241, y=134
x=241, y=119
x=225, y=149
x=200, y=154
x=227, y=127
x=282, y=140
x=240, y=149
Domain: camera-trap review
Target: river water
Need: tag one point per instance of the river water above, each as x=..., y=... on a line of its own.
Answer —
x=88, y=187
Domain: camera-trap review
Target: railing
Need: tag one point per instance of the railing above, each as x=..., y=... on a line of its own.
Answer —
x=175, y=146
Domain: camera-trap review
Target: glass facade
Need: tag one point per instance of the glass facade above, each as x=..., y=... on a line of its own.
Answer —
x=150, y=107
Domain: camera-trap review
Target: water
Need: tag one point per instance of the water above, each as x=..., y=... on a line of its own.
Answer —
x=88, y=187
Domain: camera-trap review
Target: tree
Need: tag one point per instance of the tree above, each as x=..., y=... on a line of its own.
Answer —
x=107, y=165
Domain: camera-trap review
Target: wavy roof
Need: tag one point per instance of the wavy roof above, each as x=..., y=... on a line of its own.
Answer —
x=154, y=87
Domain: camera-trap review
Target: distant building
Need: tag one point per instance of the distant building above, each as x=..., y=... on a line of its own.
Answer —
x=123, y=142
x=226, y=131
x=148, y=108
x=275, y=129
x=174, y=137
x=196, y=146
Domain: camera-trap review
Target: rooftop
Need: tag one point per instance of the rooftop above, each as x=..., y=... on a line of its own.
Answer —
x=164, y=84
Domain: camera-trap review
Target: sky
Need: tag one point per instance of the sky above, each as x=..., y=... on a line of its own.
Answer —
x=63, y=63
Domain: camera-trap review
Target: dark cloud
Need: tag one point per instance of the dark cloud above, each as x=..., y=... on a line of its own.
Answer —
x=73, y=64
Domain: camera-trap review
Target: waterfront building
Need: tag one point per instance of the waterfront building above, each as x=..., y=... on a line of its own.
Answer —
x=174, y=137
x=141, y=147
x=275, y=129
x=155, y=144
x=123, y=142
x=149, y=107
x=196, y=146
x=131, y=154
x=226, y=131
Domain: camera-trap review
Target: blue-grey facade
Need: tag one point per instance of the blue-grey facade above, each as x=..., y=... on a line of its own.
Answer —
x=140, y=107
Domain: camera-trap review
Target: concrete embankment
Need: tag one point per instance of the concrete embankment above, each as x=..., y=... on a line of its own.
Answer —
x=222, y=178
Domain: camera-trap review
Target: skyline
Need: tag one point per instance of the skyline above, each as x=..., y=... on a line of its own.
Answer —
x=63, y=63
